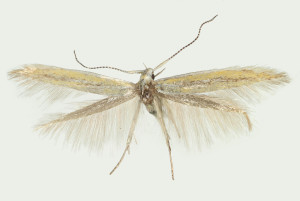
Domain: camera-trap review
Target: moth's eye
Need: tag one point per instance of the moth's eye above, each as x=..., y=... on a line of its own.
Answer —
x=153, y=76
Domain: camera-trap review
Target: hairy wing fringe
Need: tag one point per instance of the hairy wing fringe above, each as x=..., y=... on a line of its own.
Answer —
x=199, y=127
x=92, y=130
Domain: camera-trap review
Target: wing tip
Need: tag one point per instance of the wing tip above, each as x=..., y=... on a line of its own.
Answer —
x=21, y=71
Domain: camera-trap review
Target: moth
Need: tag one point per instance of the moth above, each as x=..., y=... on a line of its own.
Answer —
x=197, y=107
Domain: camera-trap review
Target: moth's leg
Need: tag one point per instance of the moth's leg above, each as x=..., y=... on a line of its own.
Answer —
x=248, y=121
x=246, y=117
x=130, y=135
x=159, y=115
x=171, y=117
x=128, y=150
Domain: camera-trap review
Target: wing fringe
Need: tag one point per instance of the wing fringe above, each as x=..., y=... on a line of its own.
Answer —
x=200, y=127
x=92, y=129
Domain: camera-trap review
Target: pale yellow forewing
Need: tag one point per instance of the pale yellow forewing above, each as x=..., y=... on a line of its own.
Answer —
x=246, y=82
x=60, y=82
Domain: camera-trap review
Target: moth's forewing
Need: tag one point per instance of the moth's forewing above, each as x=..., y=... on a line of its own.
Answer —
x=222, y=79
x=36, y=77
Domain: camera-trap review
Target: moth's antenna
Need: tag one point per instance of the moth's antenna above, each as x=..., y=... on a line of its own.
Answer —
x=164, y=62
x=97, y=67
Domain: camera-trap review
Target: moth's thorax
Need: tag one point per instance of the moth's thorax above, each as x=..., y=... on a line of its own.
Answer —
x=147, y=89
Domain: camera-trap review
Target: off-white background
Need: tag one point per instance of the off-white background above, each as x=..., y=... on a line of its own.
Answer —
x=264, y=166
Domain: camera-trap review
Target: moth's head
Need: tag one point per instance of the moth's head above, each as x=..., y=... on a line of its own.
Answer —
x=147, y=76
